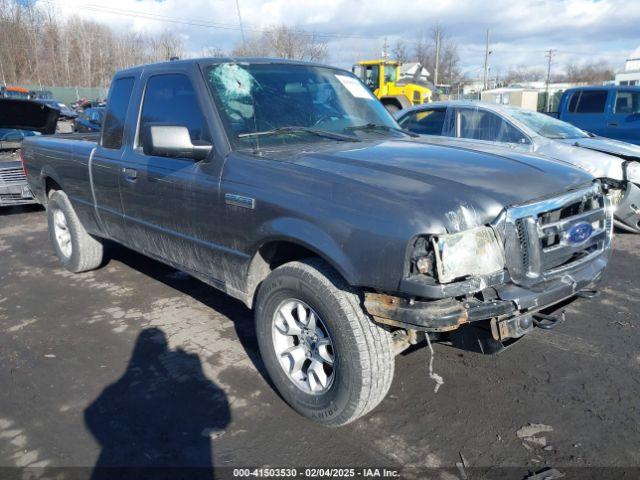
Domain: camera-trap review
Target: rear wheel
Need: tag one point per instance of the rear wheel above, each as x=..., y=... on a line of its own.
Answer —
x=327, y=359
x=77, y=250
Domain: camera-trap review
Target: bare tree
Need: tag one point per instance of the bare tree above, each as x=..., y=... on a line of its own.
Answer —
x=400, y=51
x=591, y=73
x=37, y=47
x=424, y=52
x=214, y=52
x=283, y=42
x=523, y=73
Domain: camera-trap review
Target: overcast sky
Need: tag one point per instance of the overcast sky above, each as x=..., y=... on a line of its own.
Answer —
x=520, y=31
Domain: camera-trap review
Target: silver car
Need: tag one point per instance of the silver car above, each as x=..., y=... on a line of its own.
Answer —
x=492, y=127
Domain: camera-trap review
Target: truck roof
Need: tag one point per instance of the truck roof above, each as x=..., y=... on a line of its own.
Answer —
x=213, y=60
x=605, y=87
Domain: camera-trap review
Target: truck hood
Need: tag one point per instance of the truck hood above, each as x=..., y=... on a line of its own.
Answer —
x=462, y=187
x=576, y=152
x=28, y=115
x=607, y=145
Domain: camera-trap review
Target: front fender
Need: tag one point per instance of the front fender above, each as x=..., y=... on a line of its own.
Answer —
x=313, y=238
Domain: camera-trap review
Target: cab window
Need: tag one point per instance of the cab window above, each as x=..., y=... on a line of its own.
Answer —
x=487, y=126
x=372, y=76
x=116, y=113
x=592, y=101
x=170, y=99
x=425, y=122
x=627, y=103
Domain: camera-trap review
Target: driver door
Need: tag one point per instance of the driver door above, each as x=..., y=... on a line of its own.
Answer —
x=171, y=205
x=624, y=121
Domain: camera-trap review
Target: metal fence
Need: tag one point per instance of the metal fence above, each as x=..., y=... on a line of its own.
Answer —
x=69, y=95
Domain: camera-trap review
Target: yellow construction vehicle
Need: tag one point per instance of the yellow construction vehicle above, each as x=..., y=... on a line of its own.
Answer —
x=381, y=76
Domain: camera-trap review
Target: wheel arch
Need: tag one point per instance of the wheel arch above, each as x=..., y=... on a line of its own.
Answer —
x=280, y=249
x=50, y=180
x=400, y=101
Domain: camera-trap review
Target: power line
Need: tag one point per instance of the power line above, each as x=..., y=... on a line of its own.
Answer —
x=205, y=23
x=244, y=42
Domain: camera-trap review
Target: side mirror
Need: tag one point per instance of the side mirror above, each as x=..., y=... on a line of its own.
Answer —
x=172, y=141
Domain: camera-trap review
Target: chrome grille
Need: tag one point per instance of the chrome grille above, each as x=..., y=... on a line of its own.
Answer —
x=540, y=238
x=12, y=175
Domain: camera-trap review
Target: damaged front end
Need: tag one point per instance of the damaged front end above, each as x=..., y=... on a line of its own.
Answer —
x=490, y=285
x=627, y=199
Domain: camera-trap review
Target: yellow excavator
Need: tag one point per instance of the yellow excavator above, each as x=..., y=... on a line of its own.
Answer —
x=381, y=76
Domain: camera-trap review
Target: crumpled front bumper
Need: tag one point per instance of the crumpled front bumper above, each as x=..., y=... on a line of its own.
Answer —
x=627, y=211
x=504, y=302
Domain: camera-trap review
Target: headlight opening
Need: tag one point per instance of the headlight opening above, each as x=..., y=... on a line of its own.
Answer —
x=471, y=252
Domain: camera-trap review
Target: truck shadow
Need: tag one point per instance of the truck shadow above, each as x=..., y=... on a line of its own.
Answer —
x=18, y=209
x=157, y=420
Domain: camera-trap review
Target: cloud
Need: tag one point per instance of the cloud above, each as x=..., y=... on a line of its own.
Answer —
x=520, y=31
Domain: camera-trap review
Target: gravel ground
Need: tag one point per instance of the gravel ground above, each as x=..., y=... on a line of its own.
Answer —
x=137, y=364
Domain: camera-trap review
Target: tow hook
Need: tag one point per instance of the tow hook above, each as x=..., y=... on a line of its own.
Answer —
x=547, y=322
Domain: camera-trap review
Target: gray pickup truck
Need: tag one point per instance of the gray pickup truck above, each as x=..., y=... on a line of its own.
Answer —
x=290, y=187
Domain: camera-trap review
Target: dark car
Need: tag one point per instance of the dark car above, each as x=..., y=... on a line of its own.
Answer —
x=289, y=186
x=65, y=111
x=19, y=119
x=90, y=120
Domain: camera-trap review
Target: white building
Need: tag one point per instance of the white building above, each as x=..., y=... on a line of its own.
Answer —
x=631, y=73
x=409, y=70
x=518, y=97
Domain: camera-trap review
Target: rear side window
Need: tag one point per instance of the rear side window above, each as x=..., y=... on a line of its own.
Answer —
x=171, y=100
x=425, y=122
x=116, y=113
x=574, y=102
x=592, y=101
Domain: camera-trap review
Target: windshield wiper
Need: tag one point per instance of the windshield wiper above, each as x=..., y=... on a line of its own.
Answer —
x=293, y=129
x=386, y=128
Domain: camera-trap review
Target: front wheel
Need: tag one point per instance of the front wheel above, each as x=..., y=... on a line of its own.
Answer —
x=328, y=360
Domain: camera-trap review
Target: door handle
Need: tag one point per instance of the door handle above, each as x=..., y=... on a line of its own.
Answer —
x=130, y=174
x=612, y=124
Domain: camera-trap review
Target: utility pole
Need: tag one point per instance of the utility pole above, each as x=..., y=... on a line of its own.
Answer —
x=435, y=72
x=486, y=62
x=549, y=55
x=385, y=49
x=4, y=80
x=244, y=42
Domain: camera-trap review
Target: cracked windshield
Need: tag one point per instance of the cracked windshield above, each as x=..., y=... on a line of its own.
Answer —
x=280, y=104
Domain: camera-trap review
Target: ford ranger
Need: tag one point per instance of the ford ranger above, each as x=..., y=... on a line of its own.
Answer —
x=290, y=187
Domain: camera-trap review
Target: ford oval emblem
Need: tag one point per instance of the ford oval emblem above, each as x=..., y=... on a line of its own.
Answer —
x=579, y=233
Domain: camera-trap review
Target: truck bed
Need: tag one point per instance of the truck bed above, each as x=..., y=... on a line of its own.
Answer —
x=69, y=155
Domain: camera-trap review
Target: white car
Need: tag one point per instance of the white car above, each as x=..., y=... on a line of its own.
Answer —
x=493, y=127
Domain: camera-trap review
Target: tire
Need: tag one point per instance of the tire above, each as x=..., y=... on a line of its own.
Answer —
x=77, y=250
x=363, y=359
x=391, y=107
